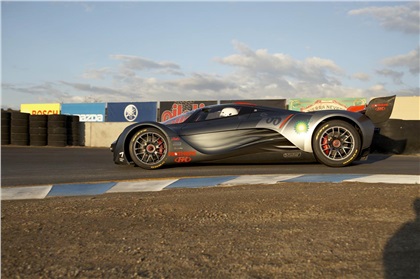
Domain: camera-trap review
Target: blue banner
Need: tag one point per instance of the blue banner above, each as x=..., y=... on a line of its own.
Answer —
x=87, y=112
x=132, y=112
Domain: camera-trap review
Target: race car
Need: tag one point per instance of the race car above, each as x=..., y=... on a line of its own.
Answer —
x=247, y=133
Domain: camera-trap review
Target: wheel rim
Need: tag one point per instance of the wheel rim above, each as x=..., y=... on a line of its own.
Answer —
x=150, y=148
x=337, y=143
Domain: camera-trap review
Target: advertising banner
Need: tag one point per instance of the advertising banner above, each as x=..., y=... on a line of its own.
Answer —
x=132, y=112
x=87, y=112
x=172, y=109
x=314, y=104
x=40, y=109
x=276, y=103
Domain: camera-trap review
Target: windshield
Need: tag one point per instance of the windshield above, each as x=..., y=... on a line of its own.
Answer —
x=179, y=119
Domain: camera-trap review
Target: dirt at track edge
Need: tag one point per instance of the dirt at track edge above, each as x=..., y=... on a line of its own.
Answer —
x=286, y=230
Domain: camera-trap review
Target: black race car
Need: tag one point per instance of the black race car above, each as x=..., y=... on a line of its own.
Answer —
x=246, y=133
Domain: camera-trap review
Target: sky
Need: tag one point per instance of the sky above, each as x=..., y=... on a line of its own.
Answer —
x=77, y=52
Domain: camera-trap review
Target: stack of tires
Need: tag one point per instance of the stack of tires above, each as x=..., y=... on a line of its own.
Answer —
x=63, y=130
x=19, y=128
x=5, y=127
x=73, y=126
x=39, y=130
x=57, y=130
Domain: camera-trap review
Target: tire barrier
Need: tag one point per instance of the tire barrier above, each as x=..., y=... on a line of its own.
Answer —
x=57, y=130
x=5, y=127
x=19, y=128
x=73, y=126
x=39, y=130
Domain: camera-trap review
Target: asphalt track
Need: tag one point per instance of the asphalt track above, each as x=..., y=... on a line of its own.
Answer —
x=29, y=166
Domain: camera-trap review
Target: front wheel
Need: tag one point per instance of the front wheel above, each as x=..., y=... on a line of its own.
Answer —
x=149, y=148
x=336, y=143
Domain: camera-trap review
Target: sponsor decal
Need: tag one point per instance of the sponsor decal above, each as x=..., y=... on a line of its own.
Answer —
x=380, y=107
x=301, y=127
x=158, y=166
x=87, y=112
x=183, y=159
x=90, y=117
x=292, y=155
x=44, y=112
x=182, y=154
x=40, y=109
x=312, y=104
x=130, y=112
x=321, y=131
x=178, y=109
x=121, y=157
x=356, y=152
x=325, y=105
x=273, y=121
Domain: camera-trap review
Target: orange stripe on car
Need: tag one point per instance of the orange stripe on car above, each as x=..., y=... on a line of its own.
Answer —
x=285, y=120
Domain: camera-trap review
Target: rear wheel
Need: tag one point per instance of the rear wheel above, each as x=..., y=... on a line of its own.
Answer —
x=149, y=148
x=336, y=143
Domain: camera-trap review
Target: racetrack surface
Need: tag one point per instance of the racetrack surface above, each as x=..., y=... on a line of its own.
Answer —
x=25, y=166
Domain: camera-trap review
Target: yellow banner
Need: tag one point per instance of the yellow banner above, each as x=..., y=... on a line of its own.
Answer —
x=40, y=109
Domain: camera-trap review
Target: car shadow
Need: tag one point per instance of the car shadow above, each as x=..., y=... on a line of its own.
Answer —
x=401, y=257
x=373, y=158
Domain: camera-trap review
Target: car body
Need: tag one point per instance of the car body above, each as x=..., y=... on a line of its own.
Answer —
x=247, y=133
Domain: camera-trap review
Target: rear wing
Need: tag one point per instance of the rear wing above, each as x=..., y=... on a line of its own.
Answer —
x=378, y=110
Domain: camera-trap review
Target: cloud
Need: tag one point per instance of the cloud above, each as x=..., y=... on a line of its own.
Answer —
x=404, y=18
x=280, y=66
x=361, y=76
x=140, y=64
x=44, y=91
x=409, y=60
x=101, y=73
x=396, y=76
x=200, y=82
x=92, y=89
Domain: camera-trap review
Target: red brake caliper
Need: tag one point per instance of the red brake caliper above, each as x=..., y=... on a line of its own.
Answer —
x=325, y=145
x=161, y=147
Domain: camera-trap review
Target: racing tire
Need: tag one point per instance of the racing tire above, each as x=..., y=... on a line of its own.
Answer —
x=336, y=143
x=149, y=148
